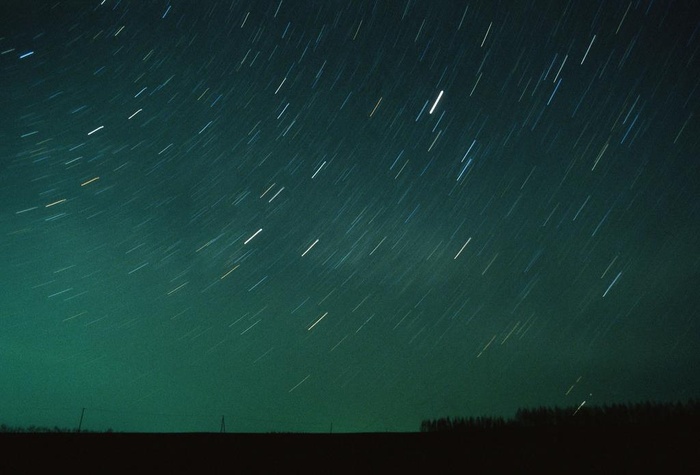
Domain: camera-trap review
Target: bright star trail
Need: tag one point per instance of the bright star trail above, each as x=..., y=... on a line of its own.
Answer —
x=364, y=214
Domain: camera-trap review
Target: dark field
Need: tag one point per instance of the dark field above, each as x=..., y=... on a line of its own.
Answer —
x=630, y=449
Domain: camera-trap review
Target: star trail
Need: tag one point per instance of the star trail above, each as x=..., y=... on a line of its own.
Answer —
x=357, y=213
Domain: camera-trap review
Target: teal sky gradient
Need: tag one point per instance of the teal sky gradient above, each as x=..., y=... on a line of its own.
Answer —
x=216, y=208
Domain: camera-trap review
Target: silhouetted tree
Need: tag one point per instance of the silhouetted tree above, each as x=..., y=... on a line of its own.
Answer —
x=615, y=415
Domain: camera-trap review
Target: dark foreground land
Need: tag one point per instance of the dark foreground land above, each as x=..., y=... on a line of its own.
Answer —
x=667, y=448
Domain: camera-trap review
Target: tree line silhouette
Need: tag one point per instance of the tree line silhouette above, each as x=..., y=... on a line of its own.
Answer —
x=615, y=415
x=32, y=429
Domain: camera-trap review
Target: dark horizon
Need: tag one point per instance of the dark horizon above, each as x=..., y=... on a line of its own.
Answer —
x=660, y=416
x=365, y=214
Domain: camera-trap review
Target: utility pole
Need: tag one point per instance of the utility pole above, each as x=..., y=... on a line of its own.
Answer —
x=223, y=425
x=80, y=424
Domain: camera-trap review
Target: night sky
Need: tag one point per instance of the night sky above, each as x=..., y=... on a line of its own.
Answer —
x=359, y=213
